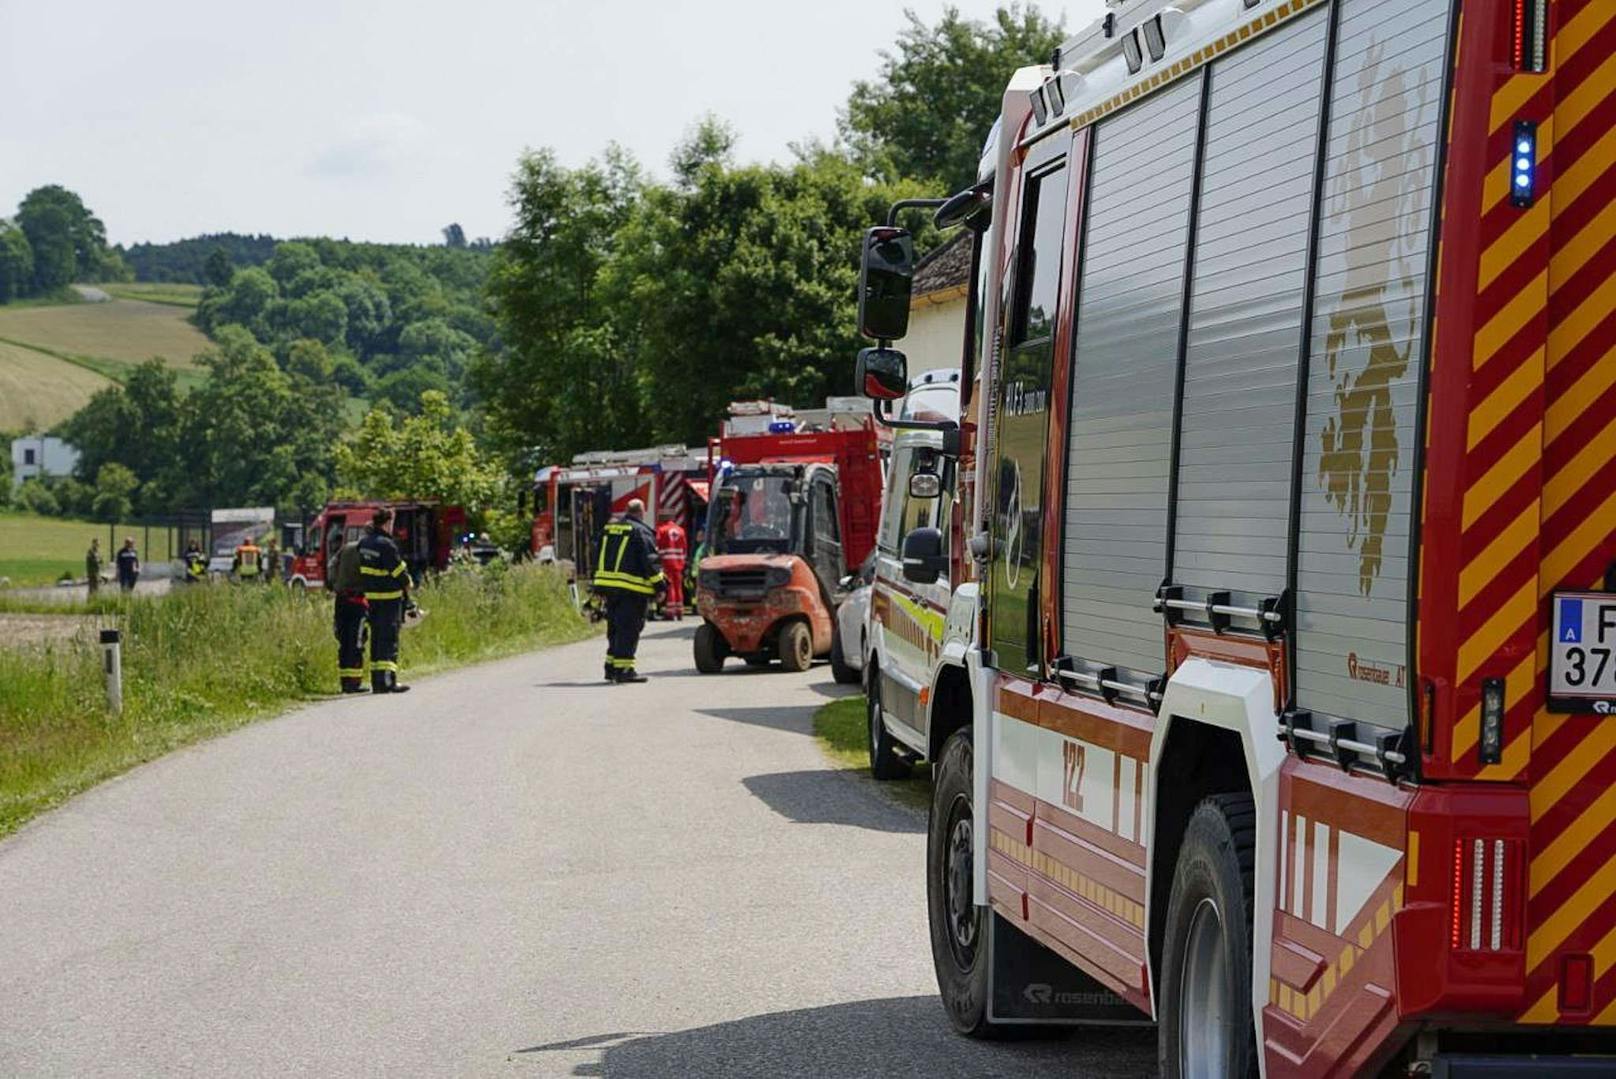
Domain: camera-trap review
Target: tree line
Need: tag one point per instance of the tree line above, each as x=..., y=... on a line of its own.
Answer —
x=51, y=242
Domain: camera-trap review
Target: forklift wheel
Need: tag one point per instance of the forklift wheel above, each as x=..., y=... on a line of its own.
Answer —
x=796, y=646
x=711, y=648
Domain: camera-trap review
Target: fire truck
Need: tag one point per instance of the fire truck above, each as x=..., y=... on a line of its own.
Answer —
x=795, y=504
x=1283, y=717
x=573, y=502
x=425, y=533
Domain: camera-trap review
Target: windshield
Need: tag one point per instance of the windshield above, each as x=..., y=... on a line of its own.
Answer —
x=752, y=512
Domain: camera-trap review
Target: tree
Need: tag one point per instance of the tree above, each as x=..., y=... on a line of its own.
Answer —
x=454, y=236
x=16, y=263
x=290, y=259
x=114, y=488
x=218, y=269
x=421, y=457
x=928, y=113
x=69, y=242
x=135, y=426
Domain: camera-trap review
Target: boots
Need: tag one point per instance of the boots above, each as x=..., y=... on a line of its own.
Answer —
x=352, y=685
x=386, y=682
x=630, y=675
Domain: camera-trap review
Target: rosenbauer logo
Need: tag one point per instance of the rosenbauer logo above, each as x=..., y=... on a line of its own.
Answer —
x=1363, y=671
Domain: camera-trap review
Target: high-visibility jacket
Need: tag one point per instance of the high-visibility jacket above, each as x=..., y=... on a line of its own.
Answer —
x=382, y=568
x=628, y=560
x=247, y=560
x=196, y=566
x=671, y=542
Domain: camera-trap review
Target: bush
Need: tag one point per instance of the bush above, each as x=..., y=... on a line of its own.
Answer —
x=35, y=497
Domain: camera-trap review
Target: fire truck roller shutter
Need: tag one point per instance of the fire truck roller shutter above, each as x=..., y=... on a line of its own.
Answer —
x=1130, y=306
x=1365, y=365
x=1243, y=350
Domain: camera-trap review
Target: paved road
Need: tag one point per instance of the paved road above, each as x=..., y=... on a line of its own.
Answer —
x=91, y=294
x=515, y=870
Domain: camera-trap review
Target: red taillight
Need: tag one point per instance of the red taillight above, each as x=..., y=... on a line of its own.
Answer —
x=1529, y=44
x=1576, y=983
x=1484, y=895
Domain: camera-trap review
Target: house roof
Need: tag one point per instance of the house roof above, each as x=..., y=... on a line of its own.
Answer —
x=946, y=268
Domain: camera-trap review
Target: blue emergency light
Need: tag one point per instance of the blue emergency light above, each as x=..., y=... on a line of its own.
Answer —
x=1523, y=164
x=782, y=427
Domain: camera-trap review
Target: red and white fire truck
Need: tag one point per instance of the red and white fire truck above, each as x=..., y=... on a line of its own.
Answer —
x=796, y=503
x=1285, y=714
x=573, y=502
x=425, y=533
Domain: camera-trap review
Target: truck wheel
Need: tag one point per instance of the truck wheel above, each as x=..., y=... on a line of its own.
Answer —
x=958, y=926
x=884, y=760
x=1206, y=1025
x=839, y=669
x=796, y=646
x=710, y=648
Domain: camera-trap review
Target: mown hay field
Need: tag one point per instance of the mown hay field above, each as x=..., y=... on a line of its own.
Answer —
x=125, y=332
x=38, y=391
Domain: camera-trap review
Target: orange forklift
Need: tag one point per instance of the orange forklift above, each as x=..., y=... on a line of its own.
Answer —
x=794, y=506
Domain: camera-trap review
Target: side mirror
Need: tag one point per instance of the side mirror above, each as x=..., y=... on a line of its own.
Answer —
x=881, y=374
x=886, y=273
x=925, y=485
x=923, y=557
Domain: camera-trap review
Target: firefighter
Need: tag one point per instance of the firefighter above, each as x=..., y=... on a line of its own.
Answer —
x=671, y=549
x=349, y=616
x=387, y=598
x=196, y=566
x=628, y=575
x=248, y=560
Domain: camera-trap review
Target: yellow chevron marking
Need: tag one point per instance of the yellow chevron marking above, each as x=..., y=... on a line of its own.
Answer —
x=1574, y=254
x=1509, y=617
x=1552, y=932
x=1572, y=110
x=1548, y=791
x=1571, y=842
x=1570, y=184
x=1522, y=308
x=1503, y=401
x=1485, y=567
x=1527, y=230
x=1545, y=1010
x=1595, y=457
x=1515, y=757
x=1510, y=98
x=1581, y=322
x=1588, y=535
x=1502, y=476
x=1563, y=412
x=1571, y=37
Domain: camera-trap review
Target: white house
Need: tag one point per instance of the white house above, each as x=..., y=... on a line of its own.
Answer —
x=936, y=336
x=41, y=455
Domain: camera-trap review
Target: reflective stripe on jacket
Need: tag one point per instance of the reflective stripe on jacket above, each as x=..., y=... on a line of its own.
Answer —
x=381, y=568
x=628, y=559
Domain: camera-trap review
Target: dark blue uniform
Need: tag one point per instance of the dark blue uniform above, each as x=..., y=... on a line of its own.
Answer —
x=387, y=583
x=628, y=573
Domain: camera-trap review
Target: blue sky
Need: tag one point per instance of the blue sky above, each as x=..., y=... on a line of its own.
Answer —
x=387, y=120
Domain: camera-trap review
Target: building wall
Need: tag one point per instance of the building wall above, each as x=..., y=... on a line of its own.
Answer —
x=51, y=457
x=936, y=335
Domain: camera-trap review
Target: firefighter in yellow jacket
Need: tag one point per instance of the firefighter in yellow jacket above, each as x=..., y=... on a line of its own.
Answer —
x=387, y=597
x=628, y=573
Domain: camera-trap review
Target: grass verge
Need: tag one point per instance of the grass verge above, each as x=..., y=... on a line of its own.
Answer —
x=840, y=728
x=205, y=660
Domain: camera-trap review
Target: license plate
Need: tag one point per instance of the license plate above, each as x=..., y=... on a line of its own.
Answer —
x=1582, y=657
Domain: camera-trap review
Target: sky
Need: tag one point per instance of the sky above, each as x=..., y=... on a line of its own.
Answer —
x=388, y=120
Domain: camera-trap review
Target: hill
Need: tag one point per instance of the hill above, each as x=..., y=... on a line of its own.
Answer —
x=38, y=390
x=106, y=336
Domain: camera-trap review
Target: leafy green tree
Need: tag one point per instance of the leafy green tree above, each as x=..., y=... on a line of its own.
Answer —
x=348, y=374
x=403, y=388
x=320, y=317
x=114, y=490
x=135, y=425
x=34, y=497
x=16, y=262
x=246, y=302
x=421, y=457
x=218, y=269
x=454, y=236
x=69, y=242
x=939, y=91
x=290, y=259
x=435, y=339
x=566, y=379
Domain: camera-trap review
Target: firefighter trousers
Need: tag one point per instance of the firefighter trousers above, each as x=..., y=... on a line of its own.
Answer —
x=386, y=616
x=625, y=618
x=348, y=621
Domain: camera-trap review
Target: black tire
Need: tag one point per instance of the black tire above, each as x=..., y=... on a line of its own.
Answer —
x=885, y=763
x=710, y=649
x=839, y=669
x=959, y=944
x=1206, y=952
x=796, y=646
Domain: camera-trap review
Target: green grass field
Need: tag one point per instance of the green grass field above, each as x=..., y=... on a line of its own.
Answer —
x=38, y=550
x=186, y=676
x=173, y=294
x=840, y=728
x=38, y=390
x=124, y=332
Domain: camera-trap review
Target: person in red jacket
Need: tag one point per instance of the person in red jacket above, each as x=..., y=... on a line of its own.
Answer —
x=671, y=547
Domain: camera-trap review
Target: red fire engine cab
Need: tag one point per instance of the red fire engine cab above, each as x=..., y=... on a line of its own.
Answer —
x=425, y=533
x=1279, y=705
x=796, y=502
